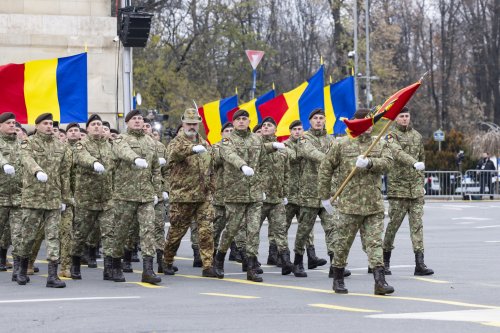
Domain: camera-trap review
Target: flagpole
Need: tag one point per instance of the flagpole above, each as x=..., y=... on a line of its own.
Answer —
x=353, y=171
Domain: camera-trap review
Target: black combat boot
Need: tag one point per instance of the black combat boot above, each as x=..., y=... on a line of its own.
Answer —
x=219, y=264
x=97, y=252
x=272, y=258
x=330, y=272
x=92, y=263
x=3, y=260
x=135, y=254
x=196, y=257
x=312, y=260
x=287, y=266
x=107, y=274
x=298, y=266
x=381, y=286
x=127, y=258
x=22, y=272
x=252, y=274
x=370, y=270
x=234, y=253
x=148, y=274
x=84, y=260
x=117, y=272
x=53, y=280
x=420, y=268
x=387, y=263
x=279, y=263
x=15, y=269
x=159, y=260
x=338, y=281
x=169, y=269
x=75, y=268
x=244, y=259
x=209, y=272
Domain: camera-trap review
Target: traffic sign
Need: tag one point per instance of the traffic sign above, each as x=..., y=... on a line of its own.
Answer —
x=255, y=57
x=439, y=135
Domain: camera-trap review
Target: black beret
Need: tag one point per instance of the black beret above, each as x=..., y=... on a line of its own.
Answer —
x=315, y=112
x=147, y=121
x=42, y=117
x=405, y=110
x=18, y=125
x=83, y=130
x=93, y=117
x=240, y=113
x=256, y=128
x=70, y=125
x=226, y=125
x=6, y=116
x=24, y=130
x=112, y=130
x=269, y=120
x=361, y=113
x=62, y=131
x=55, y=124
x=106, y=124
x=131, y=114
x=295, y=123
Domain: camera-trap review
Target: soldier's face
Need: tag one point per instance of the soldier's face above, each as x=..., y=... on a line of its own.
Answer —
x=83, y=135
x=297, y=132
x=19, y=133
x=190, y=129
x=241, y=123
x=73, y=133
x=45, y=127
x=156, y=136
x=317, y=121
x=62, y=137
x=55, y=130
x=268, y=129
x=135, y=123
x=106, y=132
x=95, y=128
x=403, y=119
x=113, y=136
x=8, y=127
x=227, y=132
x=259, y=132
x=147, y=128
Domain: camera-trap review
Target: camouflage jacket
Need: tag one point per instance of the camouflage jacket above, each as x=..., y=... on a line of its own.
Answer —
x=242, y=148
x=275, y=173
x=161, y=151
x=130, y=182
x=190, y=174
x=218, y=167
x=47, y=154
x=93, y=191
x=407, y=148
x=294, y=171
x=311, y=148
x=10, y=186
x=362, y=195
x=71, y=145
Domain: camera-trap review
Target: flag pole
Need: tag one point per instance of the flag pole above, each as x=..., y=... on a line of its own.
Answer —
x=353, y=171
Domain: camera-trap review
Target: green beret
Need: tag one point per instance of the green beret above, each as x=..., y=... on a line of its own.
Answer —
x=83, y=130
x=70, y=125
x=93, y=117
x=42, y=117
x=316, y=111
x=112, y=130
x=256, y=128
x=405, y=110
x=240, y=113
x=361, y=113
x=269, y=120
x=131, y=114
x=6, y=116
x=226, y=125
x=106, y=124
x=295, y=123
x=147, y=121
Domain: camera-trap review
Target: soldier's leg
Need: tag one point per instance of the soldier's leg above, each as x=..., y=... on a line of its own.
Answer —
x=83, y=224
x=107, y=223
x=16, y=226
x=159, y=225
x=32, y=221
x=65, y=230
x=307, y=218
x=292, y=210
x=125, y=214
x=235, y=213
x=372, y=229
x=277, y=224
x=146, y=217
x=347, y=227
x=4, y=236
x=39, y=237
x=397, y=211
x=416, y=212
x=253, y=216
x=205, y=216
x=194, y=233
x=219, y=223
x=329, y=226
x=266, y=211
x=241, y=238
x=195, y=245
x=52, y=221
x=181, y=215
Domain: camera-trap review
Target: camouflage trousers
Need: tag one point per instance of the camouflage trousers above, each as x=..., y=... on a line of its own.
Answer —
x=241, y=238
x=244, y=216
x=11, y=227
x=35, y=220
x=87, y=221
x=307, y=218
x=65, y=235
x=293, y=210
x=371, y=228
x=126, y=212
x=160, y=226
x=94, y=236
x=276, y=219
x=398, y=208
x=181, y=216
x=39, y=237
x=219, y=223
x=132, y=235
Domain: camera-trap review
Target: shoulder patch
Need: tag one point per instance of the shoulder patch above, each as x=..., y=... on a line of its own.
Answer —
x=302, y=139
x=24, y=144
x=79, y=146
x=118, y=139
x=389, y=138
x=225, y=141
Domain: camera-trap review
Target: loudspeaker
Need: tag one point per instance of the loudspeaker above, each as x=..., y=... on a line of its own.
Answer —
x=134, y=27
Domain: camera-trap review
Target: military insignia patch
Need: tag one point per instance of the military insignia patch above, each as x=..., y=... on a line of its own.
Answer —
x=225, y=141
x=24, y=144
x=118, y=139
x=79, y=146
x=389, y=138
x=302, y=140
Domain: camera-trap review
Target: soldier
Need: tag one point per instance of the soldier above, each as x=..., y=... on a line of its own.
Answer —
x=257, y=129
x=243, y=152
x=83, y=133
x=191, y=188
x=360, y=206
x=405, y=192
x=137, y=185
x=94, y=165
x=62, y=135
x=113, y=134
x=46, y=191
x=10, y=191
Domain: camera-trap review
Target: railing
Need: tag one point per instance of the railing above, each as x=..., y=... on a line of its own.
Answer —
x=479, y=184
x=442, y=184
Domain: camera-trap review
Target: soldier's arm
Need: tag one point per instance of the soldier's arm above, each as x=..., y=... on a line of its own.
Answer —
x=286, y=182
x=28, y=162
x=229, y=154
x=65, y=172
x=83, y=158
x=180, y=150
x=326, y=170
x=306, y=150
x=123, y=151
x=384, y=162
x=421, y=152
x=3, y=160
x=400, y=156
x=156, y=173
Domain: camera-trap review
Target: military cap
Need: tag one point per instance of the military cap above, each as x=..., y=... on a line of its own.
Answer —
x=6, y=116
x=269, y=120
x=147, y=121
x=18, y=125
x=70, y=125
x=405, y=110
x=42, y=117
x=83, y=130
x=93, y=117
x=240, y=113
x=295, y=123
x=191, y=116
x=106, y=124
x=62, y=131
x=256, y=128
x=226, y=125
x=55, y=124
x=131, y=114
x=315, y=112
x=361, y=113
x=24, y=130
x=114, y=131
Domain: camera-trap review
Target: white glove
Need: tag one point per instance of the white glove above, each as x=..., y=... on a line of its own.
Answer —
x=155, y=200
x=264, y=196
x=141, y=163
x=285, y=201
x=9, y=169
x=362, y=162
x=98, y=167
x=165, y=195
x=278, y=145
x=41, y=176
x=327, y=205
x=63, y=207
x=162, y=161
x=247, y=171
x=199, y=149
x=420, y=166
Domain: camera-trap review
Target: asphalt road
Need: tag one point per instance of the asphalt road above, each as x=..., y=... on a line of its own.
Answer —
x=462, y=245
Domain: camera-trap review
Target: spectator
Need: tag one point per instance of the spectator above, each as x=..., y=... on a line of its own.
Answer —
x=484, y=165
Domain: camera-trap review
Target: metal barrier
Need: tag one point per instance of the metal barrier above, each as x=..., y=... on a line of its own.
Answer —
x=479, y=184
x=442, y=184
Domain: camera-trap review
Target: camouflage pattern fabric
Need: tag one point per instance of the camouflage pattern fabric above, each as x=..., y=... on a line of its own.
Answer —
x=293, y=210
x=88, y=220
x=160, y=226
x=219, y=223
x=65, y=235
x=41, y=219
x=398, y=208
x=306, y=220
x=275, y=214
x=294, y=171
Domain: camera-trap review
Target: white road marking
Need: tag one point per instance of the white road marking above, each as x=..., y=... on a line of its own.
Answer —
x=492, y=241
x=488, y=226
x=36, y=300
x=463, y=223
x=392, y=266
x=472, y=218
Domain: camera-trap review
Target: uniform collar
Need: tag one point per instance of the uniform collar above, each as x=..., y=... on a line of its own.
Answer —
x=45, y=137
x=316, y=132
x=134, y=132
x=403, y=128
x=8, y=137
x=242, y=133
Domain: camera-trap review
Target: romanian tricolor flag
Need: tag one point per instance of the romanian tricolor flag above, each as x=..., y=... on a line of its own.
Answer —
x=58, y=86
x=340, y=95
x=252, y=107
x=214, y=115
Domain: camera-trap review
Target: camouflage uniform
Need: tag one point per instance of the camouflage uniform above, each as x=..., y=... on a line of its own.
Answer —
x=218, y=200
x=160, y=207
x=191, y=187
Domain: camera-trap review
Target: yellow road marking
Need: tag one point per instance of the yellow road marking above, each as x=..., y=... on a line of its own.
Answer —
x=46, y=275
x=146, y=285
x=182, y=258
x=492, y=323
x=430, y=280
x=341, y=308
x=229, y=295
